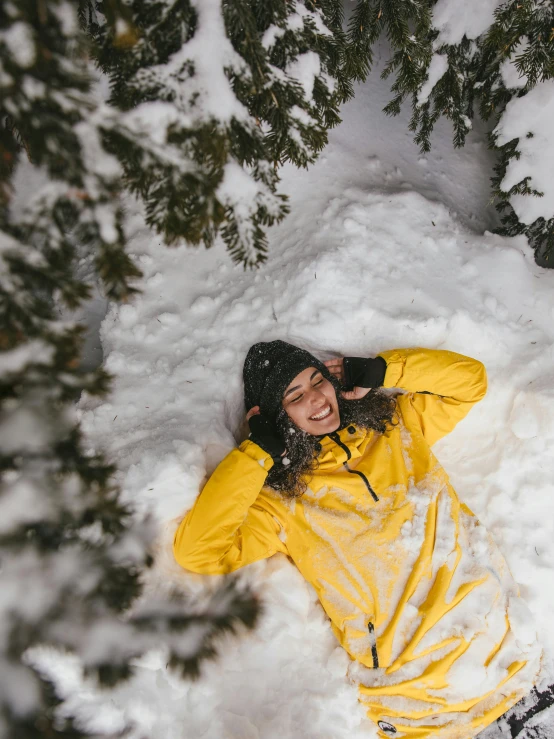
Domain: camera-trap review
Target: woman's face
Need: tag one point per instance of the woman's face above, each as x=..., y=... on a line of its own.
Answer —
x=311, y=402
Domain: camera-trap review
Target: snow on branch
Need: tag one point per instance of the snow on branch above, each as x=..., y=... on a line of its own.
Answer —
x=213, y=97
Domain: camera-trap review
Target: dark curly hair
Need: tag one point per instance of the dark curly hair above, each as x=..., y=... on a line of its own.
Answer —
x=374, y=411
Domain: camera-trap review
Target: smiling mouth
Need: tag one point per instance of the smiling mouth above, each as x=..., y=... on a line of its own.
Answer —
x=325, y=413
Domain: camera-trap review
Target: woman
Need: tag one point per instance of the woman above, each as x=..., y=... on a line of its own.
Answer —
x=344, y=482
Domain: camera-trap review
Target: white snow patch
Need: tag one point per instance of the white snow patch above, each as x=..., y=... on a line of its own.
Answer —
x=271, y=35
x=510, y=74
x=437, y=68
x=67, y=17
x=305, y=68
x=20, y=43
x=35, y=352
x=301, y=14
x=470, y=18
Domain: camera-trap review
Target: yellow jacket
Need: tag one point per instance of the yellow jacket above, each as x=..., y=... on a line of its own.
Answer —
x=416, y=591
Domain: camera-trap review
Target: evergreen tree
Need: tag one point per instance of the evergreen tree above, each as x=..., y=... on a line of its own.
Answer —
x=522, y=35
x=449, y=70
x=71, y=555
x=214, y=96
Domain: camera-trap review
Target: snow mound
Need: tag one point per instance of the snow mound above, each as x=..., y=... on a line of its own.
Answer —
x=532, y=413
x=353, y=273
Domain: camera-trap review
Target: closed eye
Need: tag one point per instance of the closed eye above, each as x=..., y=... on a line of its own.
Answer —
x=299, y=397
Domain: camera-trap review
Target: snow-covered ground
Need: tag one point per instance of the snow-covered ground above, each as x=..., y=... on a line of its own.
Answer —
x=384, y=248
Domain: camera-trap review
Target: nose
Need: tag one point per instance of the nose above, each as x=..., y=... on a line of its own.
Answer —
x=317, y=398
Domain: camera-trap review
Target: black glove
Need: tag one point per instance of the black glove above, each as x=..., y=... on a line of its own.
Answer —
x=264, y=434
x=360, y=372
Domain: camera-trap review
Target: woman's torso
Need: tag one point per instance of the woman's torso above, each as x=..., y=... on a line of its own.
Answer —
x=416, y=591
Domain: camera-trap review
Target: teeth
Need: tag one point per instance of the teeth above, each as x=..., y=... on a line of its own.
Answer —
x=323, y=414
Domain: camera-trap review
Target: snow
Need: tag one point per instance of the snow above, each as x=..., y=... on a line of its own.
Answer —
x=20, y=44
x=305, y=68
x=205, y=96
x=26, y=429
x=66, y=16
x=241, y=192
x=96, y=158
x=35, y=352
x=529, y=118
x=23, y=501
x=437, y=68
x=511, y=76
x=298, y=19
x=108, y=225
x=455, y=19
x=216, y=98
x=271, y=35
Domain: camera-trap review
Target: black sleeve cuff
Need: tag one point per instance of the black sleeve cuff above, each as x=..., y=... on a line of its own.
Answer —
x=362, y=372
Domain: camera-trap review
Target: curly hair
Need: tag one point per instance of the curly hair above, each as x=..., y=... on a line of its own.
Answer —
x=291, y=477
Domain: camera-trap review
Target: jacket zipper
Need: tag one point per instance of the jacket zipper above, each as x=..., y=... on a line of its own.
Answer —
x=336, y=439
x=373, y=642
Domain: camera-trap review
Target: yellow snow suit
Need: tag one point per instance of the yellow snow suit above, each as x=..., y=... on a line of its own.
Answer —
x=415, y=589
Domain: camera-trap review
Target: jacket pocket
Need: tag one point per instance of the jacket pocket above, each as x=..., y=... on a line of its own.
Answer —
x=373, y=643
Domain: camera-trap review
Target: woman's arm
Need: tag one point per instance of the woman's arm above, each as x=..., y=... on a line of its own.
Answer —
x=447, y=385
x=226, y=529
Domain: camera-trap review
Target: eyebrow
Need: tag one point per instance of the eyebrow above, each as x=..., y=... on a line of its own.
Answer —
x=297, y=387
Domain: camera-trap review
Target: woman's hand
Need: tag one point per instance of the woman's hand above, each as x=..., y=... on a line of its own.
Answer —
x=336, y=368
x=264, y=434
x=356, y=393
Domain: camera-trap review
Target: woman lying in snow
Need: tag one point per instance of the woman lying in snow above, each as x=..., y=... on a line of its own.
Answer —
x=339, y=476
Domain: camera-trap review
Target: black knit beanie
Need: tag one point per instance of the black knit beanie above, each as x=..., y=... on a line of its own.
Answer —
x=269, y=368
